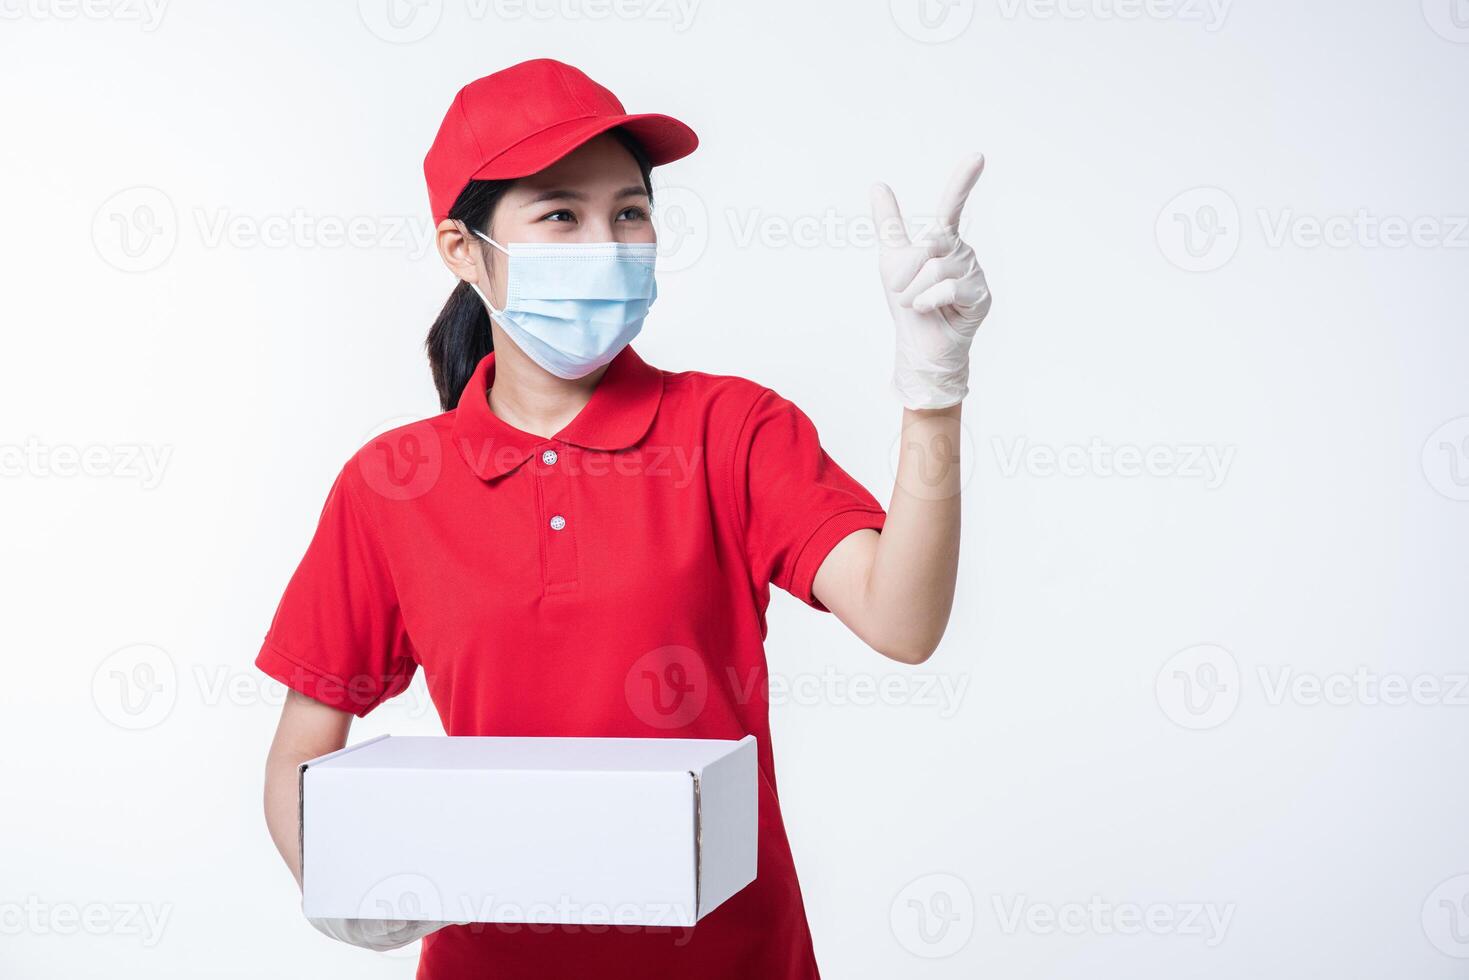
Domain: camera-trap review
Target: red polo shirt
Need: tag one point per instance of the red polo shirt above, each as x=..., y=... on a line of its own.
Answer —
x=610, y=580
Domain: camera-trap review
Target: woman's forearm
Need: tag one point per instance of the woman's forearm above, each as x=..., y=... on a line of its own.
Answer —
x=307, y=729
x=282, y=808
x=895, y=590
x=910, y=586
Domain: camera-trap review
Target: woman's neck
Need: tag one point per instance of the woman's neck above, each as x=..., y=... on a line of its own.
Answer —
x=532, y=399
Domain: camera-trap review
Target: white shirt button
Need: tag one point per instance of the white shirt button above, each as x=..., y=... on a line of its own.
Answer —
x=558, y=522
x=549, y=457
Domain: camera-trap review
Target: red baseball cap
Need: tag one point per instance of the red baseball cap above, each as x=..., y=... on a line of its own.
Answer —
x=526, y=117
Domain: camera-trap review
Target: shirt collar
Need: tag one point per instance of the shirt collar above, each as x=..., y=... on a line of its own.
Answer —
x=620, y=412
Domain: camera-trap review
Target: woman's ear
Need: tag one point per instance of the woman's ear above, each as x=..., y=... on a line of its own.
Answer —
x=457, y=248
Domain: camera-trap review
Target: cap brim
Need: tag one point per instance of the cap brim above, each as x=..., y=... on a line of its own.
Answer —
x=663, y=138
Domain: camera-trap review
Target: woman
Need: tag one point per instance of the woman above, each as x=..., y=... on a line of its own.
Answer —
x=583, y=544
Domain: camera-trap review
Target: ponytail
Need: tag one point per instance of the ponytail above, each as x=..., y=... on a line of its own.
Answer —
x=457, y=342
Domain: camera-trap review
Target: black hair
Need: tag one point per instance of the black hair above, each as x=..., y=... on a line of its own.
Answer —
x=460, y=337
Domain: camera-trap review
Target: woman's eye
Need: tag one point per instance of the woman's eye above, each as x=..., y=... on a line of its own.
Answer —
x=561, y=215
x=633, y=213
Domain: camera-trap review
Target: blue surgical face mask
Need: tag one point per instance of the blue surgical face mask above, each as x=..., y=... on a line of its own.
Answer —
x=572, y=307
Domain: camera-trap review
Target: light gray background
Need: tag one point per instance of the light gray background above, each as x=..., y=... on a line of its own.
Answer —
x=1231, y=689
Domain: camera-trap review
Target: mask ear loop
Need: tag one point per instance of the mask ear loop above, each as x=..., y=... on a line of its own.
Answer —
x=497, y=314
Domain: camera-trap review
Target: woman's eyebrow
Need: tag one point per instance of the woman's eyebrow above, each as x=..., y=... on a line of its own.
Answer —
x=567, y=194
x=556, y=195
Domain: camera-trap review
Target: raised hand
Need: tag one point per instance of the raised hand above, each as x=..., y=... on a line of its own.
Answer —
x=936, y=293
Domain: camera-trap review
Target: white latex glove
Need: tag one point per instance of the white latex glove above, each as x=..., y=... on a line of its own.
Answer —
x=935, y=291
x=378, y=935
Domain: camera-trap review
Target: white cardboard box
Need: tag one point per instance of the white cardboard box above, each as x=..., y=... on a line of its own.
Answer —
x=635, y=831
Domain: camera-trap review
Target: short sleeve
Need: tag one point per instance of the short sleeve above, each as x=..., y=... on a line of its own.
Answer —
x=337, y=635
x=796, y=502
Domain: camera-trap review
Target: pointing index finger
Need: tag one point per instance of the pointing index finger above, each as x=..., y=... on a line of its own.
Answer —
x=961, y=182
